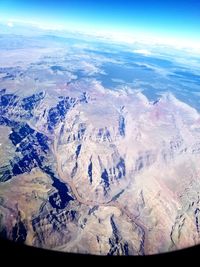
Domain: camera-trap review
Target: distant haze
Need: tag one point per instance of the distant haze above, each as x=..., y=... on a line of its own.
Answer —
x=169, y=20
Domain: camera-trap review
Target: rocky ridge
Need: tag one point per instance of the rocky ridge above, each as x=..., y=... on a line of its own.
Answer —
x=119, y=176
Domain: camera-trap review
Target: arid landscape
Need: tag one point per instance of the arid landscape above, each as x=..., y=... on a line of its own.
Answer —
x=94, y=164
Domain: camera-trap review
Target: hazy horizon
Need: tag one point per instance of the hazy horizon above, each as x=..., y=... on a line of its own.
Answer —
x=170, y=22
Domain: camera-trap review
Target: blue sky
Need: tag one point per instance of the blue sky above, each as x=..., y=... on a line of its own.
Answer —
x=165, y=18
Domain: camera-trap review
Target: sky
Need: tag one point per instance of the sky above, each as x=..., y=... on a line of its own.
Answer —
x=178, y=19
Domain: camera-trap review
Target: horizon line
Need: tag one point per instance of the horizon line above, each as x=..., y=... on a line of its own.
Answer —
x=108, y=35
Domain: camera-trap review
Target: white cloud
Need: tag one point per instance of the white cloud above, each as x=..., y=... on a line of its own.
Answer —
x=144, y=52
x=10, y=24
x=47, y=27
